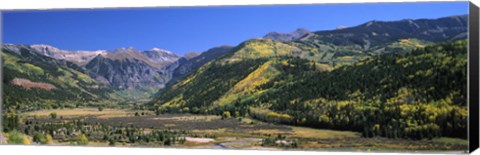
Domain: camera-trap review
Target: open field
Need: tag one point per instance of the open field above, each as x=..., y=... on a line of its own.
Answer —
x=213, y=132
x=303, y=132
x=83, y=112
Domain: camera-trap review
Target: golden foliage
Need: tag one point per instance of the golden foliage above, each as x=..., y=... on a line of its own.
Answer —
x=248, y=85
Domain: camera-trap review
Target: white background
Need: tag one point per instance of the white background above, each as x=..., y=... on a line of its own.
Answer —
x=70, y=150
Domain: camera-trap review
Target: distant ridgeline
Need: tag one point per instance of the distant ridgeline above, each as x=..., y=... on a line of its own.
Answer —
x=395, y=79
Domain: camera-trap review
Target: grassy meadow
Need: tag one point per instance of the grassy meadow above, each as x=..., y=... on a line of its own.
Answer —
x=207, y=131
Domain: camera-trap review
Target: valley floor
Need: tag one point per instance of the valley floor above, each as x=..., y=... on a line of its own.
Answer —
x=214, y=132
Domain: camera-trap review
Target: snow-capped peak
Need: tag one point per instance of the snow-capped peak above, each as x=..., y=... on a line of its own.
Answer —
x=160, y=50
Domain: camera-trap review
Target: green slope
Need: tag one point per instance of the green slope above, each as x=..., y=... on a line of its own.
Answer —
x=416, y=94
x=32, y=82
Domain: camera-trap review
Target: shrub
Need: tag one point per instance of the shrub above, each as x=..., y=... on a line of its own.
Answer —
x=39, y=138
x=16, y=137
x=226, y=114
x=111, y=142
x=82, y=140
x=42, y=139
x=48, y=139
x=53, y=115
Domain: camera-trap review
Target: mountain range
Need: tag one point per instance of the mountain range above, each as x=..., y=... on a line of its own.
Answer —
x=325, y=50
x=393, y=79
x=38, y=81
x=123, y=68
x=127, y=68
x=156, y=69
x=291, y=36
x=380, y=33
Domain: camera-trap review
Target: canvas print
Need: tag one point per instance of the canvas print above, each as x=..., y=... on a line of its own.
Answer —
x=389, y=77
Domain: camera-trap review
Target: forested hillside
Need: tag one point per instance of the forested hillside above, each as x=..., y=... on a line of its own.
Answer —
x=417, y=94
x=192, y=64
x=32, y=81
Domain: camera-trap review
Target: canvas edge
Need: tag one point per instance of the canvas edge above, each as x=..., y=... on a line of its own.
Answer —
x=473, y=80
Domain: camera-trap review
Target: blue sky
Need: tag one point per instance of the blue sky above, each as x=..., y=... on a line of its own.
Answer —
x=196, y=29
